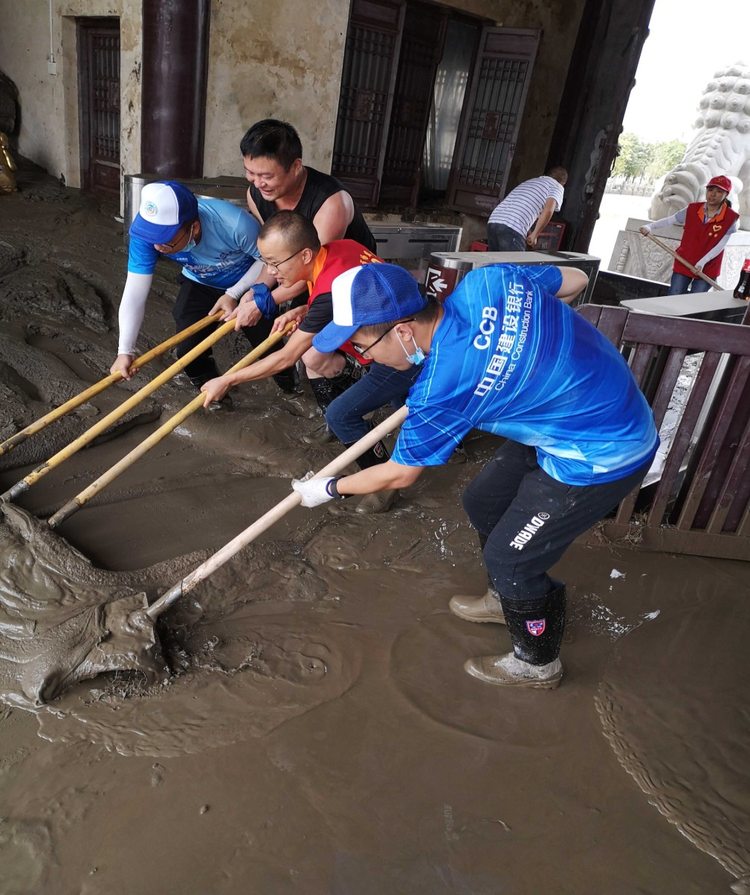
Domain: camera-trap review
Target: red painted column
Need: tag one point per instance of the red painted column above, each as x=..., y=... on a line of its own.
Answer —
x=175, y=71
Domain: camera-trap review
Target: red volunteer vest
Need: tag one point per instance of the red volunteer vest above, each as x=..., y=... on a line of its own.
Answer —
x=335, y=258
x=699, y=238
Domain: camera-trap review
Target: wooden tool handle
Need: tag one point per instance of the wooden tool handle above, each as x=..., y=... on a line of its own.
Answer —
x=273, y=515
x=698, y=273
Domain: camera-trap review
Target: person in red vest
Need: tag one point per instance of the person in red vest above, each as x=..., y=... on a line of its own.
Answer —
x=708, y=226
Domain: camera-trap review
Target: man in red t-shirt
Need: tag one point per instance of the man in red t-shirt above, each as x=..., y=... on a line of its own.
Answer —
x=290, y=247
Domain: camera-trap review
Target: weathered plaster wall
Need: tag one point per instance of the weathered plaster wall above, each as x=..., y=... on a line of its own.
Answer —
x=273, y=61
x=49, y=103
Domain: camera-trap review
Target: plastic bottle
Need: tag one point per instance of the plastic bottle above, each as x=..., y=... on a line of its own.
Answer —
x=742, y=289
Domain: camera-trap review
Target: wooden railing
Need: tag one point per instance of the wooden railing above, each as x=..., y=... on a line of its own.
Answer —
x=700, y=503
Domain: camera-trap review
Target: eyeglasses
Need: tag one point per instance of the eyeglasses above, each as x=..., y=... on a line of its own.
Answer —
x=171, y=246
x=365, y=351
x=275, y=265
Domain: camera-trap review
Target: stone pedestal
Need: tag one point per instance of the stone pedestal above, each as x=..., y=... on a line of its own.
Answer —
x=639, y=257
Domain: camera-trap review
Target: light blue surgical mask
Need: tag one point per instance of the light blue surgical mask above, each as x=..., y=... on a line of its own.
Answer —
x=191, y=243
x=414, y=359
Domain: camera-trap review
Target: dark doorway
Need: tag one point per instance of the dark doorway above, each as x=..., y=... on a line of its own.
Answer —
x=99, y=104
x=411, y=71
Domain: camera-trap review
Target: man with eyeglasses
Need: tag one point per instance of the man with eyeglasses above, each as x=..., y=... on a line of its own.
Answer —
x=503, y=354
x=215, y=243
x=290, y=247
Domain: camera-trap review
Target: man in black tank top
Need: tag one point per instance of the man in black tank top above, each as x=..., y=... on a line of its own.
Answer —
x=317, y=189
x=272, y=154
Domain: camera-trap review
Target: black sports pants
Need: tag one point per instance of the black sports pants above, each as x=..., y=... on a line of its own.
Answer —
x=530, y=519
x=194, y=301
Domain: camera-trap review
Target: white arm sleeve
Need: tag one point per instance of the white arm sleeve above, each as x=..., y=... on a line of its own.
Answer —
x=718, y=248
x=132, y=309
x=677, y=218
x=248, y=280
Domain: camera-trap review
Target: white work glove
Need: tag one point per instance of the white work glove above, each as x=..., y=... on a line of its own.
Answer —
x=314, y=492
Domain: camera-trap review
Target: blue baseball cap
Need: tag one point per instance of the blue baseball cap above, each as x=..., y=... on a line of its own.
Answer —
x=165, y=206
x=373, y=293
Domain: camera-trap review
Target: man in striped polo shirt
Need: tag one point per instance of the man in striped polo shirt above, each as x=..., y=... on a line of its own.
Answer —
x=512, y=227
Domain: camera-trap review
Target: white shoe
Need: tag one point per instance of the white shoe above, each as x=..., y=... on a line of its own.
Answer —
x=377, y=502
x=510, y=671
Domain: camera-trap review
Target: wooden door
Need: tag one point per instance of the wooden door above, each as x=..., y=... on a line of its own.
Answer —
x=99, y=104
x=373, y=43
x=421, y=49
x=491, y=119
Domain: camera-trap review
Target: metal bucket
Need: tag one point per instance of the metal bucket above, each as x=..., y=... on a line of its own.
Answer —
x=444, y=273
x=228, y=189
x=134, y=183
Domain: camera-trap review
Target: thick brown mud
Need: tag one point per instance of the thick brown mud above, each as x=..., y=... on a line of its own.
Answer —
x=308, y=726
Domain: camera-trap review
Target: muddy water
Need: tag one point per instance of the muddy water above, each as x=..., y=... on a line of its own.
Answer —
x=683, y=731
x=309, y=727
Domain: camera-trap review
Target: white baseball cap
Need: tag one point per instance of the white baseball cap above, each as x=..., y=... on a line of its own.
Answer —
x=165, y=206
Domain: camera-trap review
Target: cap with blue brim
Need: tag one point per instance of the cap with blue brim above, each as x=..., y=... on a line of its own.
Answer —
x=166, y=205
x=364, y=296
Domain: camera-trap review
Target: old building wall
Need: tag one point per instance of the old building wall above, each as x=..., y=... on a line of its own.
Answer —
x=48, y=134
x=285, y=64
x=273, y=61
x=263, y=61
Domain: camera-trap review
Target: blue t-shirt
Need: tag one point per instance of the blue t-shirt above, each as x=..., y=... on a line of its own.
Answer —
x=227, y=249
x=510, y=358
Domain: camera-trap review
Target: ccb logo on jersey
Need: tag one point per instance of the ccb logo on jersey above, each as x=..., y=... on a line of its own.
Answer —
x=536, y=628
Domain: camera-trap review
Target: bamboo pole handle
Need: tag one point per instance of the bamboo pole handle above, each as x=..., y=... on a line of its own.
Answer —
x=103, y=384
x=81, y=499
x=698, y=273
x=106, y=422
x=273, y=515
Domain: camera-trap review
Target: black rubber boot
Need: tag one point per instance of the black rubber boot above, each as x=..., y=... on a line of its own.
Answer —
x=536, y=629
x=324, y=391
x=351, y=373
x=207, y=370
x=373, y=456
x=327, y=390
x=536, y=626
x=288, y=381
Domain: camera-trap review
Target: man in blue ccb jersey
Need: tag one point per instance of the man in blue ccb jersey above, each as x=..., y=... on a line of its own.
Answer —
x=214, y=242
x=506, y=355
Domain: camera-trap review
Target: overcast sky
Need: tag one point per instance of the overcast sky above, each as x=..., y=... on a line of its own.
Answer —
x=689, y=41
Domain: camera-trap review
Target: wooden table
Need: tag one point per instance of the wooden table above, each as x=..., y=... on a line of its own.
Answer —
x=713, y=305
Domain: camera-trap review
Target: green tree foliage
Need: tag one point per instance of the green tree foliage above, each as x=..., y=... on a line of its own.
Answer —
x=638, y=161
x=666, y=156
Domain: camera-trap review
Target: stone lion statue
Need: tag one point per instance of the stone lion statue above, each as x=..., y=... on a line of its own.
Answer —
x=721, y=146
